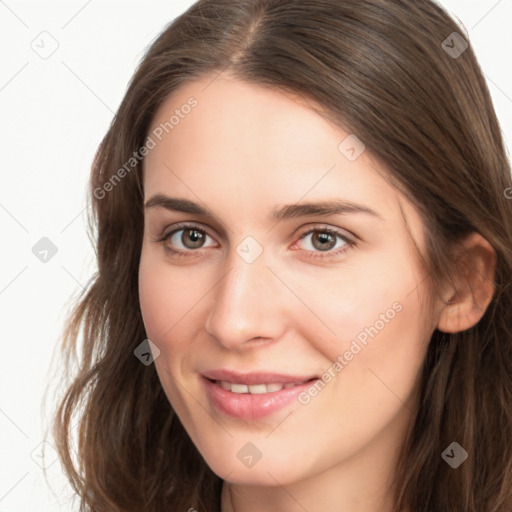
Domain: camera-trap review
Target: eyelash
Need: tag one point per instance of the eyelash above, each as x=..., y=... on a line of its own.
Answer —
x=349, y=243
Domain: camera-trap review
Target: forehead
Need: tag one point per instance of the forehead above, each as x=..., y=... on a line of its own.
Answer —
x=236, y=121
x=244, y=148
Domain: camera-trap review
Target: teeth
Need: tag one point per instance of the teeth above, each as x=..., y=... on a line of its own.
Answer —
x=239, y=388
x=274, y=387
x=256, y=389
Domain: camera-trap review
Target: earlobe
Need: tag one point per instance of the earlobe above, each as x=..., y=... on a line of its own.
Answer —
x=474, y=286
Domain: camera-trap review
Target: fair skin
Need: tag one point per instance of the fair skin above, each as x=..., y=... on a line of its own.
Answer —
x=243, y=151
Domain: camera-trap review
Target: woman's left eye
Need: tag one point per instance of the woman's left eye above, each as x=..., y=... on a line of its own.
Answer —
x=193, y=237
x=324, y=239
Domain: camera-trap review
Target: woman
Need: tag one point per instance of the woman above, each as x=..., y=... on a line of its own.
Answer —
x=304, y=258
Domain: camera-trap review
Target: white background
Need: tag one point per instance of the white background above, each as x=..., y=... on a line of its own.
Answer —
x=54, y=113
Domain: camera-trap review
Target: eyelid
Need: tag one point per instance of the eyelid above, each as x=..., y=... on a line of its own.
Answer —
x=343, y=233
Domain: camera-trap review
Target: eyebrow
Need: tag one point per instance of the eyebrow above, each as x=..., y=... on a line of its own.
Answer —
x=289, y=211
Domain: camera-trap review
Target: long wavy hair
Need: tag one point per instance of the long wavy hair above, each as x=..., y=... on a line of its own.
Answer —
x=383, y=69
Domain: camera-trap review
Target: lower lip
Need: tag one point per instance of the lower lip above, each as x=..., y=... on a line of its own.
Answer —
x=251, y=407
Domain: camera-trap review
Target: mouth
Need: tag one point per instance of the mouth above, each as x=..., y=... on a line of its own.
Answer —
x=258, y=389
x=252, y=396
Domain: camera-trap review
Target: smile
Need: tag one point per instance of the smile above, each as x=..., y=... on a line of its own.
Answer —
x=252, y=396
x=256, y=389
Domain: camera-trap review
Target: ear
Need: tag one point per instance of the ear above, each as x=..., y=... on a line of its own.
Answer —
x=473, y=288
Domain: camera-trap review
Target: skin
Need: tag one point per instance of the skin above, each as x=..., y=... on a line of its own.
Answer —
x=241, y=152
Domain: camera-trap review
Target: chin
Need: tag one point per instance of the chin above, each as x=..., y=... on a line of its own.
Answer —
x=237, y=467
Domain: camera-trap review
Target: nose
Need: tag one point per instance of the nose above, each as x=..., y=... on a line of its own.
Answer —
x=249, y=305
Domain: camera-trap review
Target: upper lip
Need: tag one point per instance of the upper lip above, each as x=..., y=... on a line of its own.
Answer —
x=249, y=378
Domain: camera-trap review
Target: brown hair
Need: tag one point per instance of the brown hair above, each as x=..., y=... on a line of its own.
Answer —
x=380, y=68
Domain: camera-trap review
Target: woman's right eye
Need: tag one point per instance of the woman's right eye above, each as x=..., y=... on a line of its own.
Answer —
x=189, y=236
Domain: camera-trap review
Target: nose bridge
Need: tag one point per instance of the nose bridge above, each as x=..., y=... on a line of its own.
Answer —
x=245, y=303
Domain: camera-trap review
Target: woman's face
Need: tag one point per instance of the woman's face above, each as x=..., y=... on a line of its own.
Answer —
x=252, y=293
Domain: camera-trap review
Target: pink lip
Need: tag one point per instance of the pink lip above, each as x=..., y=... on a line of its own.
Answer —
x=245, y=405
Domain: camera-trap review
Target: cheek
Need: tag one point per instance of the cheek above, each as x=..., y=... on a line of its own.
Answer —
x=385, y=344
x=154, y=300
x=379, y=359
x=161, y=308
x=376, y=314
x=365, y=300
x=170, y=305
x=159, y=301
